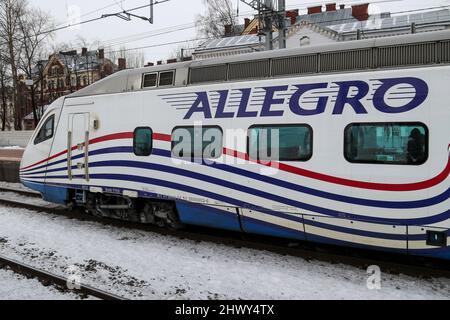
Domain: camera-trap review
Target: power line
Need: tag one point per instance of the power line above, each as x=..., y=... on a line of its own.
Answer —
x=108, y=44
x=157, y=45
x=92, y=20
x=192, y=25
x=183, y=27
x=97, y=10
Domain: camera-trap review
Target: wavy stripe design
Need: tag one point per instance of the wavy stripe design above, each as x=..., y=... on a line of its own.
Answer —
x=262, y=194
x=270, y=180
x=288, y=168
x=297, y=219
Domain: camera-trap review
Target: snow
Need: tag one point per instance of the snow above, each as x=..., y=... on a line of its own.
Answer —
x=12, y=148
x=25, y=199
x=143, y=265
x=17, y=287
x=17, y=186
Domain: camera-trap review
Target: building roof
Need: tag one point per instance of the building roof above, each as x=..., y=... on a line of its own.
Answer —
x=374, y=23
x=81, y=62
x=327, y=18
x=40, y=110
x=338, y=23
x=231, y=42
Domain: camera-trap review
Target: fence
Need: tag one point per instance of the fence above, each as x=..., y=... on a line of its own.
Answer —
x=15, y=138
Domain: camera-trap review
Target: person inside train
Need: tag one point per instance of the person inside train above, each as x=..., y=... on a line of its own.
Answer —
x=416, y=147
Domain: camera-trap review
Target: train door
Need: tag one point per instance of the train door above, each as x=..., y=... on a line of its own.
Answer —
x=78, y=147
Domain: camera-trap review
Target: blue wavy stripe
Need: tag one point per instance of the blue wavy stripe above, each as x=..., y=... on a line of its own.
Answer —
x=274, y=181
x=91, y=153
x=370, y=234
x=262, y=194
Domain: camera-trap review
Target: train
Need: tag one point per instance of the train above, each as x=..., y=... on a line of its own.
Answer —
x=344, y=144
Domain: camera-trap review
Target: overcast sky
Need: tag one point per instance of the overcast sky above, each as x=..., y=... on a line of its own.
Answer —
x=176, y=14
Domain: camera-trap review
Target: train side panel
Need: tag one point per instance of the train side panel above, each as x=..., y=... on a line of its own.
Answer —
x=401, y=208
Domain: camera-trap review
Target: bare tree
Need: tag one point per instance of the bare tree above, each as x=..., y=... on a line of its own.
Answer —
x=10, y=13
x=5, y=91
x=183, y=51
x=134, y=58
x=33, y=25
x=219, y=13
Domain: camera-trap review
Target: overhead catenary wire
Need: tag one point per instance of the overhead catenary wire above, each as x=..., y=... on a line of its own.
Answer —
x=183, y=27
x=70, y=25
x=157, y=45
x=96, y=10
x=192, y=25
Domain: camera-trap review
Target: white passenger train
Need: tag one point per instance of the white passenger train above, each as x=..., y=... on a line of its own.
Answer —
x=344, y=144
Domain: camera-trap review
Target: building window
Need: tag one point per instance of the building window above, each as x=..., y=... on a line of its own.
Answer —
x=197, y=142
x=280, y=143
x=150, y=80
x=46, y=131
x=143, y=142
x=166, y=78
x=387, y=143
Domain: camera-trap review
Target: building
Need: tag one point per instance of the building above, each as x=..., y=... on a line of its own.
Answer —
x=324, y=25
x=64, y=73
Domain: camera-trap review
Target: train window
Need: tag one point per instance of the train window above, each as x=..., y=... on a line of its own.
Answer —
x=150, y=80
x=280, y=143
x=46, y=131
x=387, y=143
x=197, y=142
x=166, y=78
x=143, y=142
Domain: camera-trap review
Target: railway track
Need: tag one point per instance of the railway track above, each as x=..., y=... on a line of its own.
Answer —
x=360, y=258
x=47, y=278
x=26, y=193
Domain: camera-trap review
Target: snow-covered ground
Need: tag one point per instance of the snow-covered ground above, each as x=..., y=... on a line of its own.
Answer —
x=17, y=186
x=143, y=265
x=12, y=148
x=16, y=287
x=25, y=199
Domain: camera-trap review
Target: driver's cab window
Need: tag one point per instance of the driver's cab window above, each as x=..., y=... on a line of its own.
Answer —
x=46, y=131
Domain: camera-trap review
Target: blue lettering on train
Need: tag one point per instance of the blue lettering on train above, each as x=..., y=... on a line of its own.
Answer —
x=352, y=95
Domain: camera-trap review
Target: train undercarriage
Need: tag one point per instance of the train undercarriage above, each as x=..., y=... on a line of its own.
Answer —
x=145, y=211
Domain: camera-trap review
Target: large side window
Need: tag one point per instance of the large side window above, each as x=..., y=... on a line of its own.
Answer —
x=280, y=142
x=387, y=143
x=46, y=131
x=143, y=142
x=197, y=142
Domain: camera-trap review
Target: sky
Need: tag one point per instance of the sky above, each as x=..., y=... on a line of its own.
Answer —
x=173, y=15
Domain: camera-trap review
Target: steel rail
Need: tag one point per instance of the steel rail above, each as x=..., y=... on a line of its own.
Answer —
x=389, y=263
x=48, y=278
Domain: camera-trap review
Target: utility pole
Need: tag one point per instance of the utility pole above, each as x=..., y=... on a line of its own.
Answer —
x=268, y=24
x=271, y=13
x=282, y=24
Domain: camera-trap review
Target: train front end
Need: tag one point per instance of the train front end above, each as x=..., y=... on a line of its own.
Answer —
x=37, y=155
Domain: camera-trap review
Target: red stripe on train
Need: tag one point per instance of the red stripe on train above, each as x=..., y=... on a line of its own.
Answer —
x=288, y=168
x=346, y=182
x=116, y=136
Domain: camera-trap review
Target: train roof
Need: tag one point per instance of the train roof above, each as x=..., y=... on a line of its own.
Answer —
x=387, y=52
